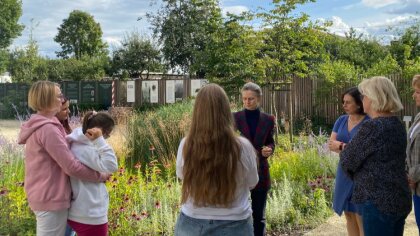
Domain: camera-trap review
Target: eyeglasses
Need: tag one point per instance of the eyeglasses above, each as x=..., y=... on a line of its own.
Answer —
x=60, y=96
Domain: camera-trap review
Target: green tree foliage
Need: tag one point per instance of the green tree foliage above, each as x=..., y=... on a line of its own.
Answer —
x=354, y=49
x=292, y=42
x=26, y=65
x=231, y=57
x=384, y=67
x=136, y=56
x=10, y=12
x=85, y=68
x=407, y=47
x=80, y=35
x=183, y=27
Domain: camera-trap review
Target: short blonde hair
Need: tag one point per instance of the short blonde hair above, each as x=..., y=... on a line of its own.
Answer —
x=416, y=81
x=383, y=94
x=42, y=95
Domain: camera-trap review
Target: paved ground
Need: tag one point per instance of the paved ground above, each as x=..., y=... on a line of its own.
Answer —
x=9, y=128
x=336, y=226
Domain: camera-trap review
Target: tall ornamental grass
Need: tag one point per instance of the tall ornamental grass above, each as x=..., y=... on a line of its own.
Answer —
x=155, y=135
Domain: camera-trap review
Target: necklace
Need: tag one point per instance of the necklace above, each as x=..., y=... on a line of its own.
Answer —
x=355, y=121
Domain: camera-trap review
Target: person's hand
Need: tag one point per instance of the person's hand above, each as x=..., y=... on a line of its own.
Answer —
x=411, y=183
x=334, y=145
x=93, y=133
x=266, y=151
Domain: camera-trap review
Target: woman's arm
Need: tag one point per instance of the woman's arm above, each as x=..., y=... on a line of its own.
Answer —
x=269, y=144
x=361, y=147
x=334, y=145
x=55, y=144
x=414, y=171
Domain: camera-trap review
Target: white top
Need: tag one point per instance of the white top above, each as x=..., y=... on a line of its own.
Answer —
x=247, y=178
x=89, y=204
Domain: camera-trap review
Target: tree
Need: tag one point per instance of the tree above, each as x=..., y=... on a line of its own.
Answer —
x=136, y=56
x=80, y=35
x=407, y=47
x=183, y=27
x=26, y=65
x=231, y=56
x=292, y=43
x=10, y=12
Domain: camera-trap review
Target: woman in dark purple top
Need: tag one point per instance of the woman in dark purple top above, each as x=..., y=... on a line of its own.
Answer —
x=258, y=128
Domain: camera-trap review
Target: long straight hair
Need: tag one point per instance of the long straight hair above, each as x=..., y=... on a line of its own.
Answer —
x=211, y=151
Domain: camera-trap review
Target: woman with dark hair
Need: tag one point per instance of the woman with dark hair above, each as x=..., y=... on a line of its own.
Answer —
x=63, y=115
x=258, y=128
x=344, y=129
x=88, y=214
x=217, y=169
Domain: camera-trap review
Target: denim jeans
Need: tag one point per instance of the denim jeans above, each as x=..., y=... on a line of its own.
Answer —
x=378, y=223
x=188, y=226
x=259, y=201
x=416, y=201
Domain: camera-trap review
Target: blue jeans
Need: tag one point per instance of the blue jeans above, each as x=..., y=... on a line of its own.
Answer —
x=187, y=226
x=416, y=201
x=377, y=223
x=69, y=231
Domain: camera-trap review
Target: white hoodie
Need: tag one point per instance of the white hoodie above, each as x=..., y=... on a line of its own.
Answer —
x=89, y=204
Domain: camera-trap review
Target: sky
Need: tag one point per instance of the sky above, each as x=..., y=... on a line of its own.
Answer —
x=119, y=17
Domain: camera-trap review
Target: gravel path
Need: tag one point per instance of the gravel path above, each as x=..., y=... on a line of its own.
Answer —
x=9, y=129
x=336, y=226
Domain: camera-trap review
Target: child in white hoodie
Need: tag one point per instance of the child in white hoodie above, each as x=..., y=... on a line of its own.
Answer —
x=88, y=214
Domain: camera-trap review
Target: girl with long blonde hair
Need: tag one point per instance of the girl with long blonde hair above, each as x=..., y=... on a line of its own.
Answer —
x=217, y=169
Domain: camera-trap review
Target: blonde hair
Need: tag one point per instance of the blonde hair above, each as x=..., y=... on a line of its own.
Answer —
x=383, y=94
x=416, y=81
x=41, y=95
x=211, y=152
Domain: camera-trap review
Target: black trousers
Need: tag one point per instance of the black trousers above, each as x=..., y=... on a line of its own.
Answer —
x=259, y=201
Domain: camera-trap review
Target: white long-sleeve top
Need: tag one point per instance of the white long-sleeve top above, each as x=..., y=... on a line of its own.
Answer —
x=90, y=201
x=246, y=179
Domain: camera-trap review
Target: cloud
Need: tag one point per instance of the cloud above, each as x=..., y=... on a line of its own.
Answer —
x=339, y=27
x=236, y=10
x=379, y=3
x=407, y=6
x=116, y=17
x=387, y=22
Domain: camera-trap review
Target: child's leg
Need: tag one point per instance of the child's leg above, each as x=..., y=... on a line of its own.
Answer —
x=88, y=230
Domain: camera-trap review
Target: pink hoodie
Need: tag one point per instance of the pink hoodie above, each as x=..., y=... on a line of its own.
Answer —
x=49, y=163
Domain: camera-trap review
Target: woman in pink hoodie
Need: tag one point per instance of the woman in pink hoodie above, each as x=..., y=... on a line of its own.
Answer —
x=48, y=161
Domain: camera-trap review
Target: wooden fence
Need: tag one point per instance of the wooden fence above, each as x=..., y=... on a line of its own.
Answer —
x=297, y=100
x=302, y=100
